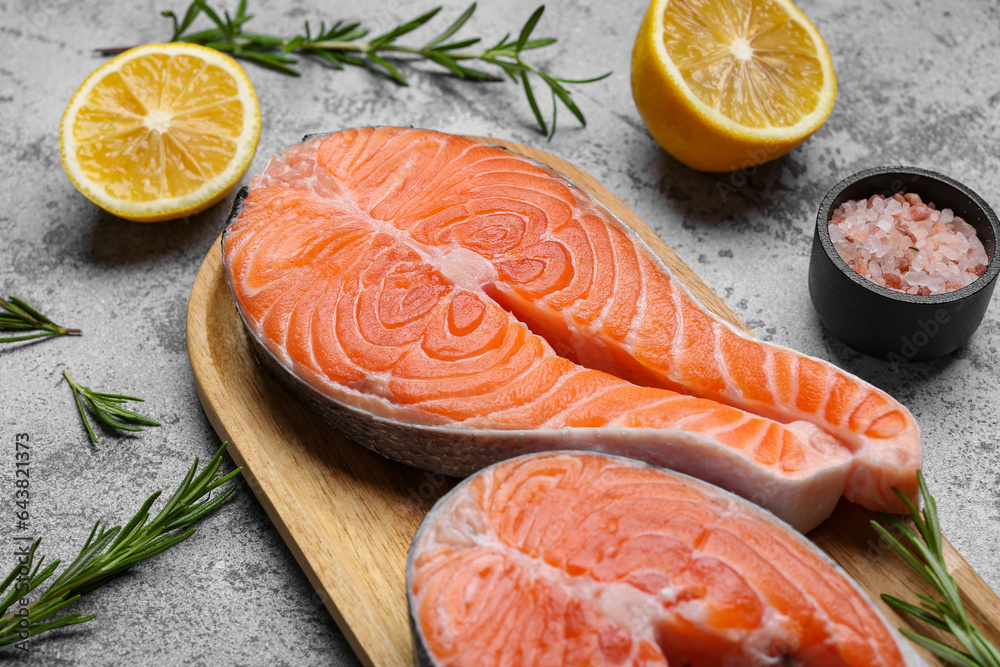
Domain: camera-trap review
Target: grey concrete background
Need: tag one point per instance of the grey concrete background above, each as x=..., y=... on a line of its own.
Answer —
x=918, y=85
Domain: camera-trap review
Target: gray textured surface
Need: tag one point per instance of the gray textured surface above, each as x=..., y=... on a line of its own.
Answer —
x=918, y=85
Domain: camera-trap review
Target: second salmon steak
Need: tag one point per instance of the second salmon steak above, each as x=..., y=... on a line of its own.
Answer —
x=450, y=304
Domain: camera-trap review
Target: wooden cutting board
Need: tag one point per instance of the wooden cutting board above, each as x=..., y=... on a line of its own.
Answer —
x=348, y=515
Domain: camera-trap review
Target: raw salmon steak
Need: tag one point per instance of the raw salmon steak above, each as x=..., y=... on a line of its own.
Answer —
x=450, y=304
x=575, y=558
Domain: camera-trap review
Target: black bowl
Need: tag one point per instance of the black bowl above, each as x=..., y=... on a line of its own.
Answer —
x=883, y=322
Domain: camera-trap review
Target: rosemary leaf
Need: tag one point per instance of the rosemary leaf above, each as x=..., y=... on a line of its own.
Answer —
x=265, y=41
x=450, y=63
x=267, y=60
x=461, y=44
x=453, y=28
x=108, y=553
x=390, y=70
x=226, y=47
x=531, y=101
x=539, y=43
x=528, y=27
x=563, y=95
x=401, y=30
x=189, y=18
x=900, y=550
x=202, y=37
x=555, y=109
x=332, y=59
x=211, y=14
x=927, y=559
x=295, y=43
x=922, y=614
x=106, y=409
x=942, y=651
x=502, y=43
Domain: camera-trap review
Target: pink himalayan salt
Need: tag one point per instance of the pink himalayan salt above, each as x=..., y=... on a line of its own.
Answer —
x=906, y=245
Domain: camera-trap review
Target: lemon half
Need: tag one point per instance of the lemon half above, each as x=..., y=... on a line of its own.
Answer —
x=160, y=131
x=726, y=84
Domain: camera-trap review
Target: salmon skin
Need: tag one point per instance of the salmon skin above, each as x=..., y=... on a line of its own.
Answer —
x=450, y=304
x=574, y=558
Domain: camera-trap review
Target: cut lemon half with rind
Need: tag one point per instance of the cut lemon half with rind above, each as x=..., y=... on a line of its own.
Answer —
x=727, y=84
x=161, y=131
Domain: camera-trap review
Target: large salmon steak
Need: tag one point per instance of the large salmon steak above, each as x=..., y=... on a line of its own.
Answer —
x=576, y=558
x=450, y=304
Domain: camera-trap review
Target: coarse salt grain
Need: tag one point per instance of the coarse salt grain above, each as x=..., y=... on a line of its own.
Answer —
x=902, y=243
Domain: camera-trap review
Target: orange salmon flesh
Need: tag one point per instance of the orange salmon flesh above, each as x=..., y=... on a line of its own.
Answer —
x=572, y=558
x=451, y=304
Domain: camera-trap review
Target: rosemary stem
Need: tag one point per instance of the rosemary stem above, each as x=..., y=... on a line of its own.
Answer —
x=353, y=47
x=335, y=45
x=19, y=316
x=365, y=47
x=348, y=43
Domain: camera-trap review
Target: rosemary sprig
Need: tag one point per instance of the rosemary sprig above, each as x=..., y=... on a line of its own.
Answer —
x=926, y=557
x=107, y=408
x=106, y=554
x=347, y=43
x=19, y=316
